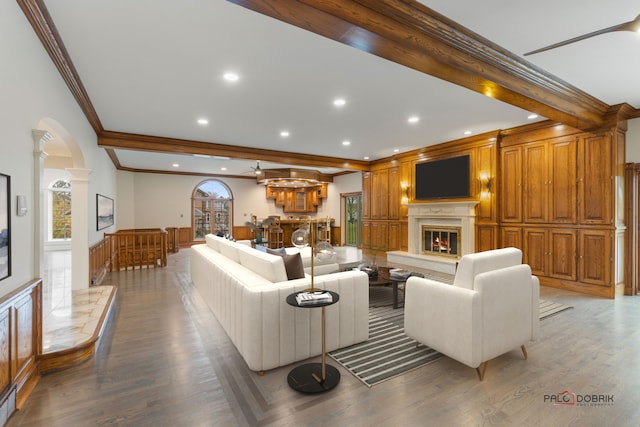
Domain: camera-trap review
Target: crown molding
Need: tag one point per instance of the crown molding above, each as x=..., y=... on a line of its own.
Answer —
x=39, y=18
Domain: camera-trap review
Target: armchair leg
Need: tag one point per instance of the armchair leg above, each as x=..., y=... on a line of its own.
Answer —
x=481, y=369
x=524, y=351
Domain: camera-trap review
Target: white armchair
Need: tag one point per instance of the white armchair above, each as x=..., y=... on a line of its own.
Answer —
x=491, y=308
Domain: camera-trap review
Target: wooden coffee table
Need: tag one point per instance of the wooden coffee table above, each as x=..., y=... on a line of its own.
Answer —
x=385, y=279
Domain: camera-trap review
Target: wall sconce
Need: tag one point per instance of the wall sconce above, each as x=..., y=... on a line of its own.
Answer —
x=21, y=205
x=405, y=191
x=485, y=185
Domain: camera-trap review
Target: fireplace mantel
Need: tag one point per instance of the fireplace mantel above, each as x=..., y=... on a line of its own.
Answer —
x=454, y=214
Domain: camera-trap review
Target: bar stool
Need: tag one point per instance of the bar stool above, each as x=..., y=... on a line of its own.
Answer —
x=276, y=233
x=324, y=231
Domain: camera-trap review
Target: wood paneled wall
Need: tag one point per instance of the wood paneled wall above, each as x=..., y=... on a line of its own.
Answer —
x=20, y=345
x=553, y=191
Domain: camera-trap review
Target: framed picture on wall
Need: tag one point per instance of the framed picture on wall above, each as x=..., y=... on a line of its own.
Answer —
x=5, y=226
x=104, y=211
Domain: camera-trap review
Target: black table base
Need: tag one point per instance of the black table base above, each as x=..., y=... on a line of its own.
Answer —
x=307, y=378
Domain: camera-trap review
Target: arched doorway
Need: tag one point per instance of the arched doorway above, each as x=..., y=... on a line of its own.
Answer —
x=211, y=209
x=55, y=148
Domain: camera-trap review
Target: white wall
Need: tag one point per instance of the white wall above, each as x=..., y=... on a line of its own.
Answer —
x=32, y=90
x=633, y=141
x=149, y=200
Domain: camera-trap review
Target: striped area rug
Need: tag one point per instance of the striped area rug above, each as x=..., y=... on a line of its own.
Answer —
x=549, y=308
x=387, y=354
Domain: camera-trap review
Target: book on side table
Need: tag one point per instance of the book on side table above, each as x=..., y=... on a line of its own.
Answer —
x=315, y=297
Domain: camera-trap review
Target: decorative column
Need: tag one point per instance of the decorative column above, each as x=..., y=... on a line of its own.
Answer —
x=79, y=228
x=38, y=208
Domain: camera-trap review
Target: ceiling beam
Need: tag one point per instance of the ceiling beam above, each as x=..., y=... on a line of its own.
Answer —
x=128, y=141
x=410, y=34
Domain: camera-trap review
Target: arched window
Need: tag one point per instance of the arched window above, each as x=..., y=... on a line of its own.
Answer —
x=212, y=209
x=60, y=208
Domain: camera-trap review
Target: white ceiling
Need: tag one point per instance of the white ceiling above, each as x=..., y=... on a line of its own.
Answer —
x=155, y=67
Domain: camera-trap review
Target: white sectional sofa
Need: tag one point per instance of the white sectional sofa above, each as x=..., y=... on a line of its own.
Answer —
x=246, y=290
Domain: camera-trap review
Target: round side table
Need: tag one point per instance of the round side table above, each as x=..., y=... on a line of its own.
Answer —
x=314, y=377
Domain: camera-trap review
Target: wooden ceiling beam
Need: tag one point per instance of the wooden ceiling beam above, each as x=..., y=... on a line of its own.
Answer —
x=410, y=34
x=128, y=141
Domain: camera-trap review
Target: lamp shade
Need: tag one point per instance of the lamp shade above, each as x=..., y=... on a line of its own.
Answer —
x=324, y=251
x=300, y=238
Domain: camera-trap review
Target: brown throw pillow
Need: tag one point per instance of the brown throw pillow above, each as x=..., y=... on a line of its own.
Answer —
x=292, y=264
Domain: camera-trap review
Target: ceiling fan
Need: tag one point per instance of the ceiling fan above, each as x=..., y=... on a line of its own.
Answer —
x=257, y=169
x=627, y=26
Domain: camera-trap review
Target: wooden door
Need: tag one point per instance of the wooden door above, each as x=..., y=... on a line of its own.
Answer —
x=380, y=194
x=535, y=250
x=563, y=254
x=595, y=257
x=511, y=185
x=563, y=181
x=511, y=237
x=596, y=180
x=535, y=183
x=394, y=236
x=366, y=234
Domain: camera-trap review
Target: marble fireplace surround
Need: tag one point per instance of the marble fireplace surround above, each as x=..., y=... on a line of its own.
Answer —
x=438, y=214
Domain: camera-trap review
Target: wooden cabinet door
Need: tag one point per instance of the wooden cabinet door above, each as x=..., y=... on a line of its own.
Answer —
x=366, y=195
x=596, y=180
x=535, y=250
x=485, y=237
x=595, y=257
x=394, y=236
x=562, y=254
x=511, y=237
x=366, y=234
x=394, y=191
x=511, y=185
x=563, y=191
x=379, y=236
x=380, y=194
x=535, y=183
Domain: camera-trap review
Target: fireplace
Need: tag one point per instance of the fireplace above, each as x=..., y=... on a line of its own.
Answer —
x=452, y=223
x=441, y=241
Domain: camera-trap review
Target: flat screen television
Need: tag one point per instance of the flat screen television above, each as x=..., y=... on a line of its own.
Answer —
x=443, y=179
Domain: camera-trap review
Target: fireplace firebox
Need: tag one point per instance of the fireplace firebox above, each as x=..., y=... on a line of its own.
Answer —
x=444, y=241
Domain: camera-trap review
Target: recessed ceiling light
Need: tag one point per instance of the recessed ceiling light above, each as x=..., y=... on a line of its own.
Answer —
x=396, y=150
x=175, y=165
x=203, y=122
x=284, y=133
x=231, y=77
x=223, y=168
x=339, y=102
x=366, y=157
x=532, y=116
x=467, y=132
x=346, y=143
x=204, y=156
x=413, y=119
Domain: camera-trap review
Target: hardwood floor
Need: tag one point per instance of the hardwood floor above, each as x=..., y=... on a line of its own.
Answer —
x=165, y=361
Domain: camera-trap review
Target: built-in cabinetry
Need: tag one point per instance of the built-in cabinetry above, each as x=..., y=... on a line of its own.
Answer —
x=383, y=221
x=553, y=191
x=557, y=203
x=297, y=199
x=20, y=346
